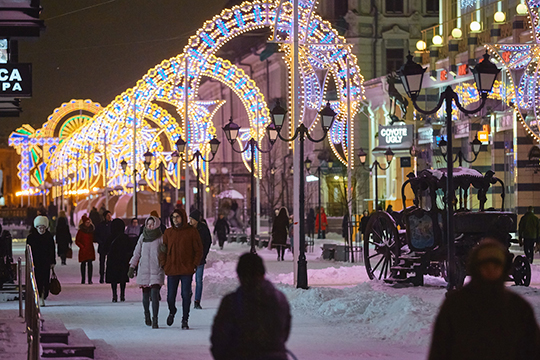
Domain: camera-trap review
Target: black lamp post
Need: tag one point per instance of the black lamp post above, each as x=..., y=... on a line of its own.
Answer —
x=231, y=132
x=389, y=155
x=475, y=146
x=302, y=132
x=321, y=169
x=484, y=74
x=124, y=165
x=198, y=156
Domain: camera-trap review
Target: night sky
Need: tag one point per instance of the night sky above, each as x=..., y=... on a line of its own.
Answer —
x=96, y=49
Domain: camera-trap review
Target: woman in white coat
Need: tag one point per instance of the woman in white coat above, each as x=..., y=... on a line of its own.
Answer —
x=150, y=276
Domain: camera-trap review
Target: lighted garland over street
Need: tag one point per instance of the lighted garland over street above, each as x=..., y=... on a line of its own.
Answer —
x=98, y=145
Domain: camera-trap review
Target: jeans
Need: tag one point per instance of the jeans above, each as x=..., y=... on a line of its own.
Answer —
x=102, y=260
x=185, y=292
x=199, y=282
x=151, y=293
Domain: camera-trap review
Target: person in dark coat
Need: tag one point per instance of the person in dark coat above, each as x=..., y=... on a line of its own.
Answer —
x=197, y=222
x=118, y=249
x=310, y=223
x=221, y=229
x=103, y=231
x=280, y=231
x=235, y=334
x=63, y=236
x=42, y=245
x=95, y=216
x=484, y=320
x=345, y=227
x=363, y=223
x=529, y=233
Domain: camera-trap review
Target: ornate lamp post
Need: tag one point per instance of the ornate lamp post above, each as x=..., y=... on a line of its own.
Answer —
x=475, y=146
x=389, y=155
x=302, y=132
x=181, y=147
x=231, y=132
x=484, y=74
x=124, y=166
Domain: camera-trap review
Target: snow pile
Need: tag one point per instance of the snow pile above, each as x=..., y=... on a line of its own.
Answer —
x=367, y=312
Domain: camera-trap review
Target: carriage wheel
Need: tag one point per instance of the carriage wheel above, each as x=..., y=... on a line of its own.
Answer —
x=381, y=245
x=522, y=271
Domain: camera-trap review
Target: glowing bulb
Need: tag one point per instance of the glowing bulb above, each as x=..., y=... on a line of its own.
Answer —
x=475, y=26
x=421, y=45
x=499, y=17
x=521, y=9
x=437, y=40
x=456, y=33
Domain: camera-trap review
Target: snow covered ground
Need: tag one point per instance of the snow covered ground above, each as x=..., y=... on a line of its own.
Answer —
x=343, y=315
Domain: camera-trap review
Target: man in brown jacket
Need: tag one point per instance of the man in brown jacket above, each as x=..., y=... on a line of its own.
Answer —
x=180, y=255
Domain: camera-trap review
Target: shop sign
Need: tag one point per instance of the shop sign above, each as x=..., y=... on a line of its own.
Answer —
x=534, y=156
x=425, y=135
x=396, y=136
x=461, y=129
x=15, y=80
x=483, y=135
x=505, y=122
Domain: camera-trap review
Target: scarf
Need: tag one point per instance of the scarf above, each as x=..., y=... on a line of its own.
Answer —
x=85, y=229
x=151, y=235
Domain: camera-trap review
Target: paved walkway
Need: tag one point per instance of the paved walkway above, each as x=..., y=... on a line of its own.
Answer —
x=12, y=336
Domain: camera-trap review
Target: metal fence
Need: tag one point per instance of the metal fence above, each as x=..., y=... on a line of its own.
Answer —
x=31, y=306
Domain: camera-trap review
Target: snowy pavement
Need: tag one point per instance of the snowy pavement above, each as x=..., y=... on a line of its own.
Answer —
x=343, y=315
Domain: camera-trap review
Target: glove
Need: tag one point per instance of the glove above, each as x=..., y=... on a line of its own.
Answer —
x=163, y=248
x=52, y=266
x=131, y=272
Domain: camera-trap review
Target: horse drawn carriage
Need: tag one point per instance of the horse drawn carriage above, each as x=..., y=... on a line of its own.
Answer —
x=407, y=245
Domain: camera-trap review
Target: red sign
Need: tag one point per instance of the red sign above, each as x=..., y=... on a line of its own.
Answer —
x=506, y=56
x=463, y=70
x=444, y=75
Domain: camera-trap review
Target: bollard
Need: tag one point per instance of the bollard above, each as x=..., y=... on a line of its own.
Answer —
x=19, y=280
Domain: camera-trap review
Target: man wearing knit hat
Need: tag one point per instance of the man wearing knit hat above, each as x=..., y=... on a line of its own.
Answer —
x=196, y=220
x=42, y=245
x=180, y=255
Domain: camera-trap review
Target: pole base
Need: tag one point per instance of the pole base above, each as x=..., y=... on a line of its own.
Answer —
x=302, y=280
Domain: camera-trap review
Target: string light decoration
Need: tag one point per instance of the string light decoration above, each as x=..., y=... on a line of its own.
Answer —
x=522, y=65
x=322, y=51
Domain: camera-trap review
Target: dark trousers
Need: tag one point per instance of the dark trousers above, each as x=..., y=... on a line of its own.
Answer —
x=83, y=271
x=528, y=247
x=185, y=292
x=43, y=278
x=114, y=287
x=151, y=293
x=102, y=260
x=221, y=240
x=281, y=251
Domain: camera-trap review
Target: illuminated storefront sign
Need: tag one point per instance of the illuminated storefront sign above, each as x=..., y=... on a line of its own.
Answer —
x=425, y=135
x=15, y=80
x=396, y=136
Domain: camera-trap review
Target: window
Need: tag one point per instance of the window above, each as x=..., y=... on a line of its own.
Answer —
x=432, y=6
x=394, y=6
x=394, y=59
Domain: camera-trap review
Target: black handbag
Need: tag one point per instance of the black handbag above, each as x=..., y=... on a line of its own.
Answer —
x=54, y=287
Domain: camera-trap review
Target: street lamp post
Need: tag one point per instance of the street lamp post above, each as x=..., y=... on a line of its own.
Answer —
x=411, y=75
x=231, y=132
x=320, y=170
x=475, y=146
x=302, y=132
x=198, y=156
x=389, y=155
x=124, y=165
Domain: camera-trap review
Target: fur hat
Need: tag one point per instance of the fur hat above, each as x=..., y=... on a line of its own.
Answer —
x=41, y=221
x=84, y=218
x=154, y=213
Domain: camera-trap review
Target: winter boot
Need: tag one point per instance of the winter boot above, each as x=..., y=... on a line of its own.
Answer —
x=170, y=319
x=155, y=323
x=197, y=305
x=147, y=319
x=185, y=325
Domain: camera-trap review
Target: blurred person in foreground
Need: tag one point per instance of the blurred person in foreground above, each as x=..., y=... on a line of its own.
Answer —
x=42, y=245
x=484, y=320
x=150, y=275
x=235, y=334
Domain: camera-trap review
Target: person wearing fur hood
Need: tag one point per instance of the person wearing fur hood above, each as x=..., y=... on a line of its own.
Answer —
x=150, y=274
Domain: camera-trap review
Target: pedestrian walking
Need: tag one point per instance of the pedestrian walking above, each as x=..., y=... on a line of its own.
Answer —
x=180, y=255
x=221, y=229
x=484, y=320
x=363, y=223
x=280, y=230
x=42, y=246
x=133, y=231
x=529, y=233
x=85, y=241
x=253, y=322
x=345, y=228
x=150, y=275
x=310, y=223
x=118, y=250
x=63, y=237
x=198, y=223
x=102, y=233
x=95, y=216
x=321, y=222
